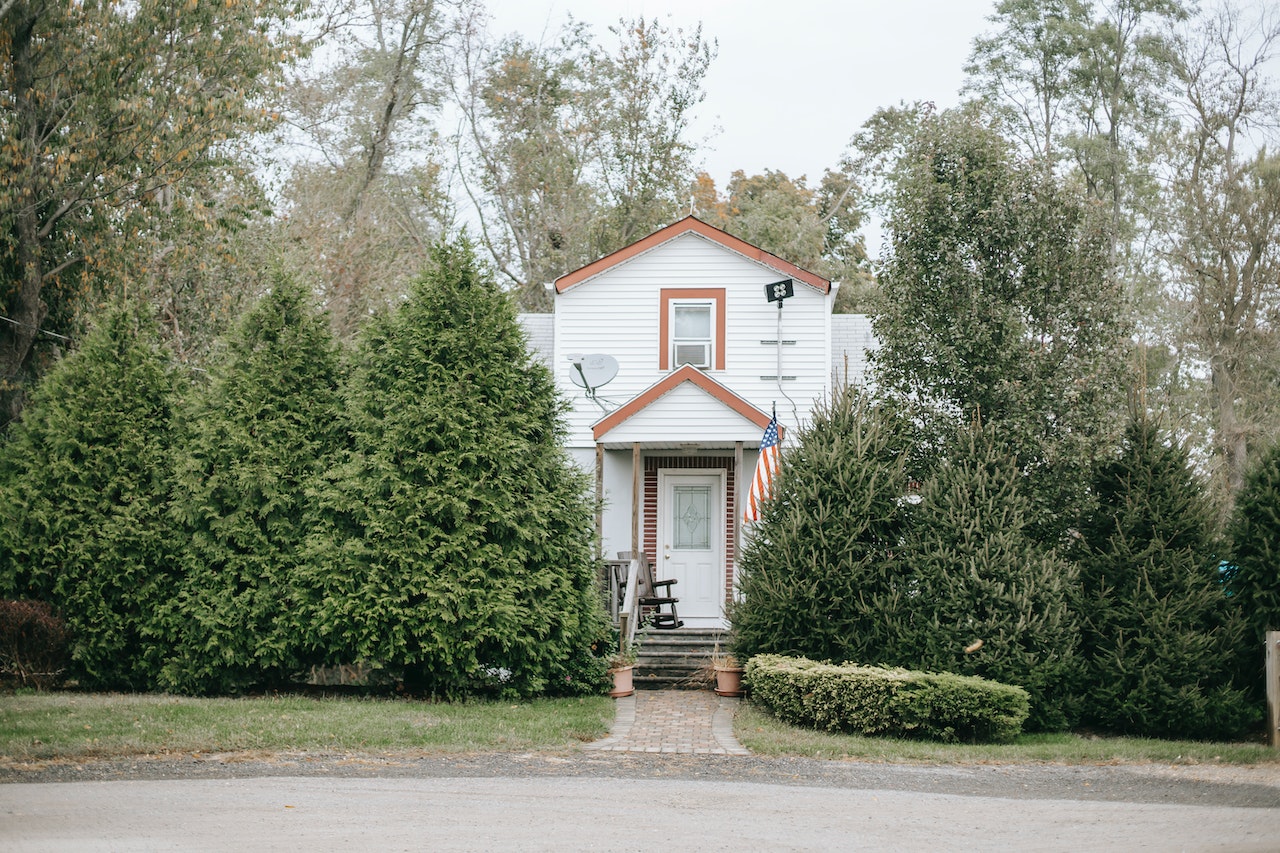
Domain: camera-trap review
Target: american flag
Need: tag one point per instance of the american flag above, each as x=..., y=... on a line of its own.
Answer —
x=766, y=469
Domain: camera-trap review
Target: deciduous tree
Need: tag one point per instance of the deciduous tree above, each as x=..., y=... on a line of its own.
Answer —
x=816, y=229
x=365, y=200
x=110, y=110
x=1000, y=307
x=532, y=125
x=577, y=149
x=1223, y=233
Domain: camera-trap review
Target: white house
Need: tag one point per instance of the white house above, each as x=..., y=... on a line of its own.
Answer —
x=703, y=355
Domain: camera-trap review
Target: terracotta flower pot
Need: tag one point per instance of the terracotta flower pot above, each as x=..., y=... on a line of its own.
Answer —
x=622, y=683
x=729, y=681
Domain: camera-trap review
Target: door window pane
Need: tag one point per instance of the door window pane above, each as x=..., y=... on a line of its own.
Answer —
x=691, y=508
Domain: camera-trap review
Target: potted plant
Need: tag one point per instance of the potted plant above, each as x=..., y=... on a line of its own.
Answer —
x=728, y=674
x=621, y=666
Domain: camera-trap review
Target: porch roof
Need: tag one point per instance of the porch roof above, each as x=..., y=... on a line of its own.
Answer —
x=685, y=409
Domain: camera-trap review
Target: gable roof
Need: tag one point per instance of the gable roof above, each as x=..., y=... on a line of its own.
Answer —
x=710, y=232
x=686, y=373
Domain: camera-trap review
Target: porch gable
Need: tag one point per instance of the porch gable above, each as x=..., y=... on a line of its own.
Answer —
x=684, y=407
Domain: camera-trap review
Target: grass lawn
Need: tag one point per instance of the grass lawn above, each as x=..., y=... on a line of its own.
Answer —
x=94, y=725
x=763, y=734
x=84, y=726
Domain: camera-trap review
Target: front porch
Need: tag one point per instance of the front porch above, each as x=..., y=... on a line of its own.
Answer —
x=669, y=467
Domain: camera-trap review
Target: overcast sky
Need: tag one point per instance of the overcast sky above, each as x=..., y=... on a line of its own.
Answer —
x=794, y=79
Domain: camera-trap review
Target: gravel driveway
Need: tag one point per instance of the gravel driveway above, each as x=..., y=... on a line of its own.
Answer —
x=1217, y=785
x=628, y=801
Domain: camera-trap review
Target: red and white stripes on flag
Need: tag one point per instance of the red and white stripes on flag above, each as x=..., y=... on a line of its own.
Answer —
x=766, y=470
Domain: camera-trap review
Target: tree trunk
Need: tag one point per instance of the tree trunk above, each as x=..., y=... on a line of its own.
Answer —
x=25, y=311
x=22, y=304
x=1232, y=435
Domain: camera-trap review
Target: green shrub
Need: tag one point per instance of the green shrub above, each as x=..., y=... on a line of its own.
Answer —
x=455, y=537
x=978, y=573
x=1160, y=638
x=33, y=644
x=1254, y=532
x=256, y=436
x=885, y=702
x=821, y=569
x=84, y=482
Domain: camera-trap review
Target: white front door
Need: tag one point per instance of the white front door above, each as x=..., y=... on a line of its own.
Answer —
x=691, y=534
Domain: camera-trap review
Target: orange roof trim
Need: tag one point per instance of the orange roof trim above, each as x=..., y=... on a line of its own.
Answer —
x=686, y=373
x=697, y=226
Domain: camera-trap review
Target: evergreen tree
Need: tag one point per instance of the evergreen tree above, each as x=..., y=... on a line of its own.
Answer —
x=84, y=483
x=977, y=574
x=819, y=575
x=457, y=538
x=1254, y=532
x=256, y=438
x=1158, y=638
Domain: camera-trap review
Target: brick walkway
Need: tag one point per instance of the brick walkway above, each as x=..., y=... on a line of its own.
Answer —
x=677, y=721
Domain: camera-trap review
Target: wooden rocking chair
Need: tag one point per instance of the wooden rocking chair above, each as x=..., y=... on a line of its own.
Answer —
x=649, y=599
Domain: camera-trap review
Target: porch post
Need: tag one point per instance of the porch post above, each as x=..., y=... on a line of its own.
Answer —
x=637, y=496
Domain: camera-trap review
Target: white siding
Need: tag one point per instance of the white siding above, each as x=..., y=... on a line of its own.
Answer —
x=617, y=313
x=618, y=488
x=851, y=340
x=539, y=335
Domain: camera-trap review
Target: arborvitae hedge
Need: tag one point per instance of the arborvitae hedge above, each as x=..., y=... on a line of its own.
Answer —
x=255, y=439
x=1160, y=638
x=977, y=574
x=456, y=544
x=84, y=484
x=820, y=571
x=1254, y=534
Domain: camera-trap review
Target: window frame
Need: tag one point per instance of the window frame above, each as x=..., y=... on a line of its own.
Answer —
x=670, y=298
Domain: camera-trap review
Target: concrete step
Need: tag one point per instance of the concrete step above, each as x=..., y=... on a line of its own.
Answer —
x=678, y=658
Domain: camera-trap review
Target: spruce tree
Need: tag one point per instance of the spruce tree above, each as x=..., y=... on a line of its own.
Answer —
x=1158, y=635
x=986, y=598
x=84, y=485
x=457, y=544
x=255, y=440
x=1254, y=556
x=820, y=575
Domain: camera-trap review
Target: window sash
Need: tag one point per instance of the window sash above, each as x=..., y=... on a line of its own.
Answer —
x=693, y=334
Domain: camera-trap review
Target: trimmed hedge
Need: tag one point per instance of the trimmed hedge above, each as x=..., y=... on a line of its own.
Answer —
x=886, y=702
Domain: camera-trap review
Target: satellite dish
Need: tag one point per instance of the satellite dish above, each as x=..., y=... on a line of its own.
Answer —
x=592, y=371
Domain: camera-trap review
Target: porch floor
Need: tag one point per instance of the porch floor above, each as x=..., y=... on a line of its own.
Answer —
x=673, y=721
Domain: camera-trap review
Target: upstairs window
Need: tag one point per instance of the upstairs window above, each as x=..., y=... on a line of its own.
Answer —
x=692, y=341
x=692, y=328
